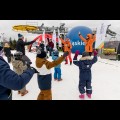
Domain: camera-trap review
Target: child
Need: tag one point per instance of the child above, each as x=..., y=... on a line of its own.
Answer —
x=45, y=76
x=19, y=67
x=85, y=64
x=57, y=69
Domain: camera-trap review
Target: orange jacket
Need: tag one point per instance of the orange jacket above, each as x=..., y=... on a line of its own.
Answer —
x=67, y=45
x=89, y=42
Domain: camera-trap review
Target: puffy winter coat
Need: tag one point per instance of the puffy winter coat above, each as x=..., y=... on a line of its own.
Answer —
x=88, y=42
x=85, y=64
x=67, y=45
x=9, y=80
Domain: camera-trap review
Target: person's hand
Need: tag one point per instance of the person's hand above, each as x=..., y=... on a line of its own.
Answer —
x=95, y=52
x=77, y=53
x=28, y=63
x=32, y=68
x=79, y=33
x=65, y=54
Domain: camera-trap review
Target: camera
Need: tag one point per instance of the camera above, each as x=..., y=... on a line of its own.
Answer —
x=28, y=63
x=18, y=55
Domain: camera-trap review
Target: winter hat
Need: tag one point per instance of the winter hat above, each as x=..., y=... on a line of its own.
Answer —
x=20, y=35
x=84, y=54
x=55, y=52
x=41, y=54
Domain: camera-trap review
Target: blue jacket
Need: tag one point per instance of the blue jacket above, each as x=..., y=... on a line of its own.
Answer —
x=85, y=64
x=9, y=80
x=55, y=58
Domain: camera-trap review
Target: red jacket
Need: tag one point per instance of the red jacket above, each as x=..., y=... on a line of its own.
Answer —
x=51, y=44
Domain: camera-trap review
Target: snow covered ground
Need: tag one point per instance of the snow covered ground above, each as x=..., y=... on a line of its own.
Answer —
x=105, y=81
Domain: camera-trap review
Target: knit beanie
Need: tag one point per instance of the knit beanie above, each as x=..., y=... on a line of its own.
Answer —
x=41, y=54
x=20, y=35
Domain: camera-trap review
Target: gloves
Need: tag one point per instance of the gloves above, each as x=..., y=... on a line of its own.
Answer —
x=28, y=64
x=79, y=33
x=95, y=53
x=32, y=68
x=65, y=54
x=77, y=53
x=24, y=62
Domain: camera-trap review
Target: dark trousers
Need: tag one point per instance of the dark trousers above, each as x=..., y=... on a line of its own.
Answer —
x=83, y=84
x=50, y=51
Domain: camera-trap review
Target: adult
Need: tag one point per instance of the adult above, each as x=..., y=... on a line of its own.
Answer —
x=7, y=52
x=9, y=80
x=20, y=46
x=90, y=39
x=51, y=46
x=67, y=47
x=118, y=52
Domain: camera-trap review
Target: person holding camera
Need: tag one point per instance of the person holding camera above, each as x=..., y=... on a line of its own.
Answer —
x=9, y=80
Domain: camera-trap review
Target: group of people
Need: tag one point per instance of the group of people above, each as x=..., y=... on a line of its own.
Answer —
x=22, y=72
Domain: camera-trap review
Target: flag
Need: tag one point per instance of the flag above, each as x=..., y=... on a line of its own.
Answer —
x=59, y=41
x=54, y=38
x=100, y=35
x=43, y=39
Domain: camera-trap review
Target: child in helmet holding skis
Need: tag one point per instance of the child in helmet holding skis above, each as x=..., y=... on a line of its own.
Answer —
x=85, y=64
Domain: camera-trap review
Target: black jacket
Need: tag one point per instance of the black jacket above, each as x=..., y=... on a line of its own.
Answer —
x=42, y=46
x=7, y=51
x=20, y=45
x=118, y=50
